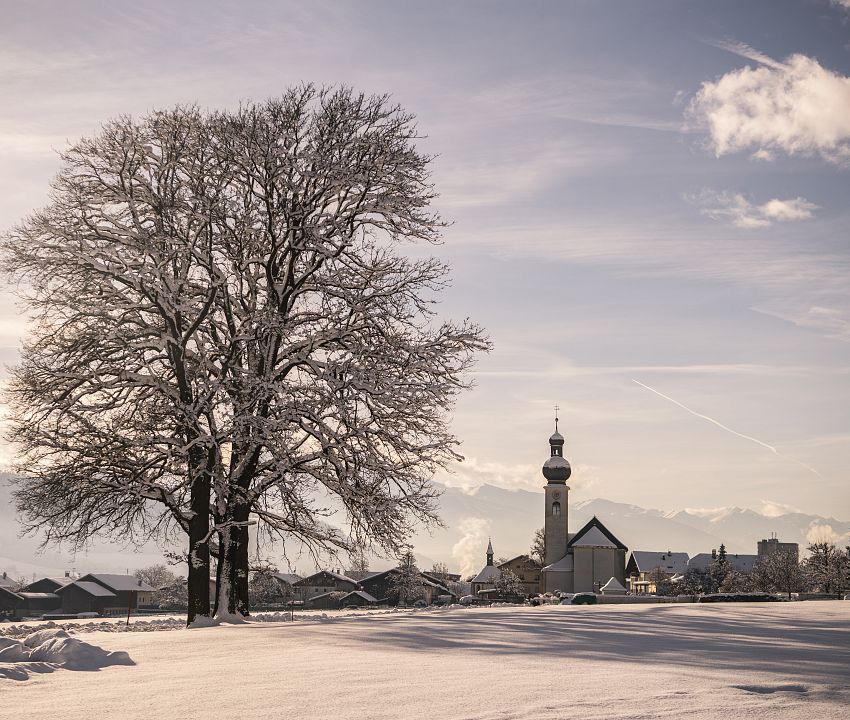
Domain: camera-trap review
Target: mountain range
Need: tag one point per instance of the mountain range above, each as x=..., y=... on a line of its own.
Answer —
x=471, y=518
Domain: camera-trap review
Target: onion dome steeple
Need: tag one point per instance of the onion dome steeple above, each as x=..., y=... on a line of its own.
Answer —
x=556, y=469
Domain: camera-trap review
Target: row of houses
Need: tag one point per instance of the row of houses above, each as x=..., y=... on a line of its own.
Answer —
x=330, y=590
x=99, y=593
x=644, y=565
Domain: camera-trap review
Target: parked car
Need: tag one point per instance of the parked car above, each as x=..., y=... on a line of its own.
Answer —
x=584, y=598
x=468, y=600
x=567, y=598
x=420, y=604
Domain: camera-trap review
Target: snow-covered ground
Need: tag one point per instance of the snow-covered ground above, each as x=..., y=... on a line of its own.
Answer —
x=782, y=660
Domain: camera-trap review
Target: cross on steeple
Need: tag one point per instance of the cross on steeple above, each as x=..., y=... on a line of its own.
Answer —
x=557, y=407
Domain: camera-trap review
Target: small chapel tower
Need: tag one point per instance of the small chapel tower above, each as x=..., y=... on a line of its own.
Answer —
x=556, y=470
x=489, y=551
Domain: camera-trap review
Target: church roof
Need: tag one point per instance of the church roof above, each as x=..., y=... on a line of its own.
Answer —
x=565, y=564
x=489, y=573
x=595, y=534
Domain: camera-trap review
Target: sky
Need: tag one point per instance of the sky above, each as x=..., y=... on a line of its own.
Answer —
x=649, y=207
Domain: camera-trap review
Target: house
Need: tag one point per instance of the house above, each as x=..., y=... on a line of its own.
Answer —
x=130, y=591
x=358, y=598
x=82, y=596
x=287, y=581
x=382, y=585
x=21, y=604
x=643, y=565
x=48, y=584
x=772, y=545
x=742, y=563
x=321, y=583
x=7, y=583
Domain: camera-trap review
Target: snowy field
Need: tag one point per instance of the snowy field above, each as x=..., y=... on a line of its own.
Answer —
x=783, y=660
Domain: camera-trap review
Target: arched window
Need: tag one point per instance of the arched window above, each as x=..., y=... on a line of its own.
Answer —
x=556, y=509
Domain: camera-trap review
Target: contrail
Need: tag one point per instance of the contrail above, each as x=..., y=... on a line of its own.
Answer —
x=727, y=429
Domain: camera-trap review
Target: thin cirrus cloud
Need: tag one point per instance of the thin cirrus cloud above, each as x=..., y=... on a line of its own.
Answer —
x=796, y=107
x=738, y=210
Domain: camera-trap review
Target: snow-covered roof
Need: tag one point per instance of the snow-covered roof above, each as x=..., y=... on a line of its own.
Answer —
x=38, y=596
x=328, y=573
x=119, y=583
x=595, y=534
x=523, y=558
x=565, y=564
x=288, y=578
x=613, y=585
x=7, y=582
x=489, y=573
x=92, y=588
x=741, y=563
x=670, y=562
x=361, y=593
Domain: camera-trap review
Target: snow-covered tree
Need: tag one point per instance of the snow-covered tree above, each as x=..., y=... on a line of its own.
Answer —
x=226, y=333
x=263, y=587
x=779, y=571
x=407, y=580
x=538, y=546
x=826, y=567
x=508, y=584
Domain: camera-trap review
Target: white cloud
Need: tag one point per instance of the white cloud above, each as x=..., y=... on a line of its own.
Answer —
x=737, y=209
x=770, y=508
x=797, y=107
x=821, y=532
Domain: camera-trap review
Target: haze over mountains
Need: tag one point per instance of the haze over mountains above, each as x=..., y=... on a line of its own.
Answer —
x=509, y=517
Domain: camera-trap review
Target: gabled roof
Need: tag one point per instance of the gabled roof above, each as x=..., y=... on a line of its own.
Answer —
x=488, y=574
x=57, y=582
x=648, y=560
x=595, y=534
x=327, y=573
x=90, y=588
x=8, y=593
x=118, y=583
x=288, y=578
x=741, y=563
x=528, y=559
x=7, y=582
x=38, y=595
x=361, y=593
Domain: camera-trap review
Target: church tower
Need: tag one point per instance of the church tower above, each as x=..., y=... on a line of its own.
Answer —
x=556, y=470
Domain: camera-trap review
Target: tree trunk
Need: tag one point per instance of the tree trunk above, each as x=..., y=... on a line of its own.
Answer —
x=198, y=584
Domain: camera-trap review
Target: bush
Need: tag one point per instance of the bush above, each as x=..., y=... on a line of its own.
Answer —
x=738, y=597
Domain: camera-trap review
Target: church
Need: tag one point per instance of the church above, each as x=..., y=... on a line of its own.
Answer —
x=590, y=560
x=580, y=562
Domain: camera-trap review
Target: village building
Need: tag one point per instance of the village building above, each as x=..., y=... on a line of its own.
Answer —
x=322, y=583
x=644, y=567
x=486, y=579
x=742, y=563
x=771, y=546
x=584, y=561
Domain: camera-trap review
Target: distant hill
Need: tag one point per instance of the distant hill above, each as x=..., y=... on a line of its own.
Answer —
x=509, y=517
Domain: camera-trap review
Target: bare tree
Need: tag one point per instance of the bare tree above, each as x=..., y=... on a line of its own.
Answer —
x=227, y=334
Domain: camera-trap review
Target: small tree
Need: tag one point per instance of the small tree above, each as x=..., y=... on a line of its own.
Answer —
x=538, y=546
x=735, y=582
x=778, y=572
x=359, y=566
x=263, y=587
x=508, y=584
x=663, y=584
x=826, y=567
x=407, y=580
